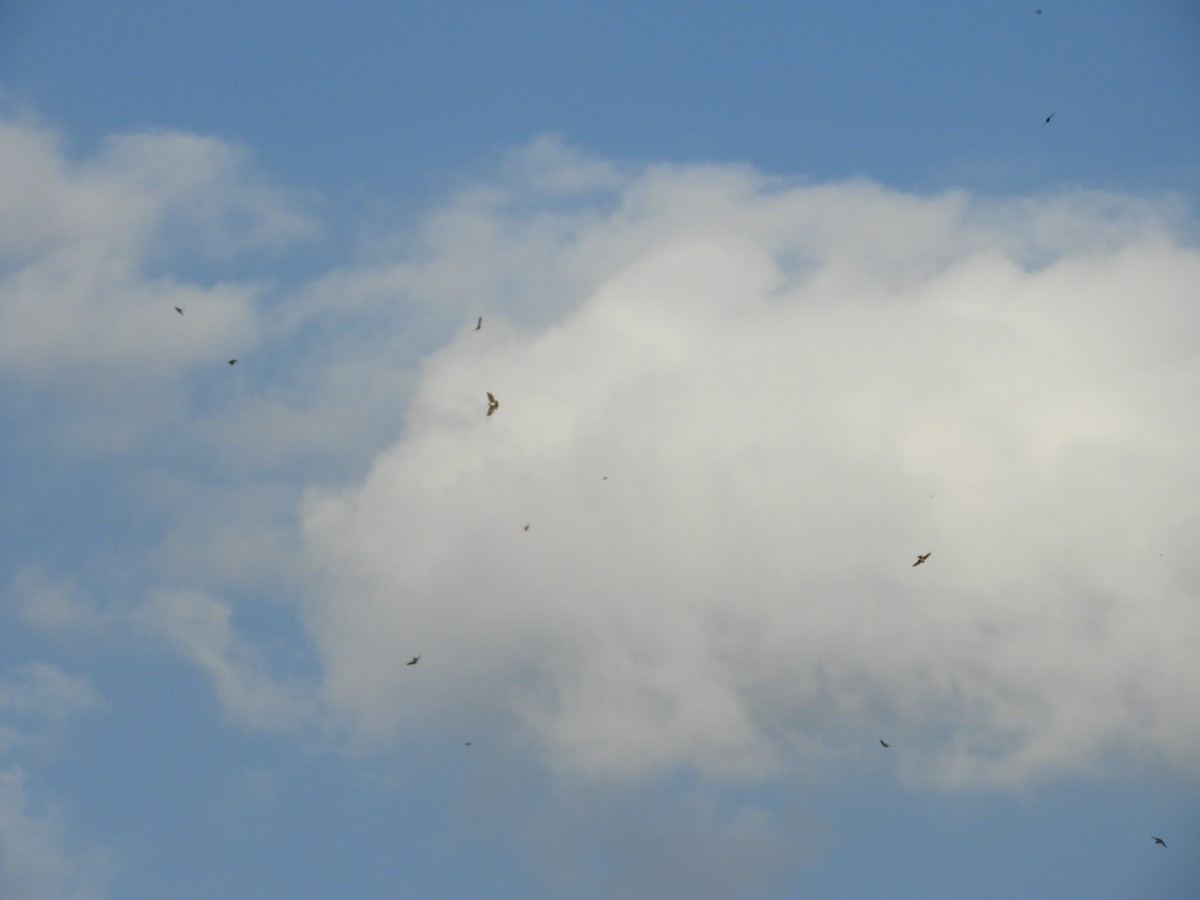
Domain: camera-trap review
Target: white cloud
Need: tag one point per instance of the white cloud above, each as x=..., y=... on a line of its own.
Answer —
x=39, y=857
x=55, y=606
x=38, y=861
x=99, y=250
x=37, y=701
x=200, y=628
x=86, y=242
x=792, y=391
x=46, y=690
x=131, y=197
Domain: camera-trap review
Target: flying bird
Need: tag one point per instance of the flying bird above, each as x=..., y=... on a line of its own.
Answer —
x=178, y=310
x=479, y=323
x=413, y=661
x=884, y=743
x=232, y=361
x=493, y=404
x=921, y=559
x=1159, y=840
x=526, y=527
x=1048, y=118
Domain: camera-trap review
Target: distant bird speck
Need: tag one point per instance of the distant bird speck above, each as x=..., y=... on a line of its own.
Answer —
x=1048, y=118
x=178, y=310
x=493, y=404
x=921, y=559
x=413, y=661
x=526, y=527
x=232, y=361
x=467, y=744
x=479, y=323
x=1159, y=840
x=884, y=743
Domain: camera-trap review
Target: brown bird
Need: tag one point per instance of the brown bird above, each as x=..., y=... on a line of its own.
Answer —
x=232, y=361
x=884, y=743
x=921, y=559
x=1159, y=840
x=413, y=661
x=479, y=323
x=1048, y=118
x=178, y=310
x=493, y=404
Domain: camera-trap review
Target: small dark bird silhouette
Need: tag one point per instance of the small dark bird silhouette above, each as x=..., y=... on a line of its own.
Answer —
x=1159, y=840
x=884, y=743
x=526, y=527
x=232, y=361
x=1038, y=11
x=178, y=310
x=493, y=404
x=921, y=559
x=413, y=661
x=467, y=744
x=1048, y=118
x=479, y=323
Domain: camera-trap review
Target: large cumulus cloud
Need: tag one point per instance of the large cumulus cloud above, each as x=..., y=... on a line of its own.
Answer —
x=733, y=410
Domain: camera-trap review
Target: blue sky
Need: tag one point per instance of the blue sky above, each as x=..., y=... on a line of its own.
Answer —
x=774, y=299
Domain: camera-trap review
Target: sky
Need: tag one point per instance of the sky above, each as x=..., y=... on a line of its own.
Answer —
x=774, y=298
